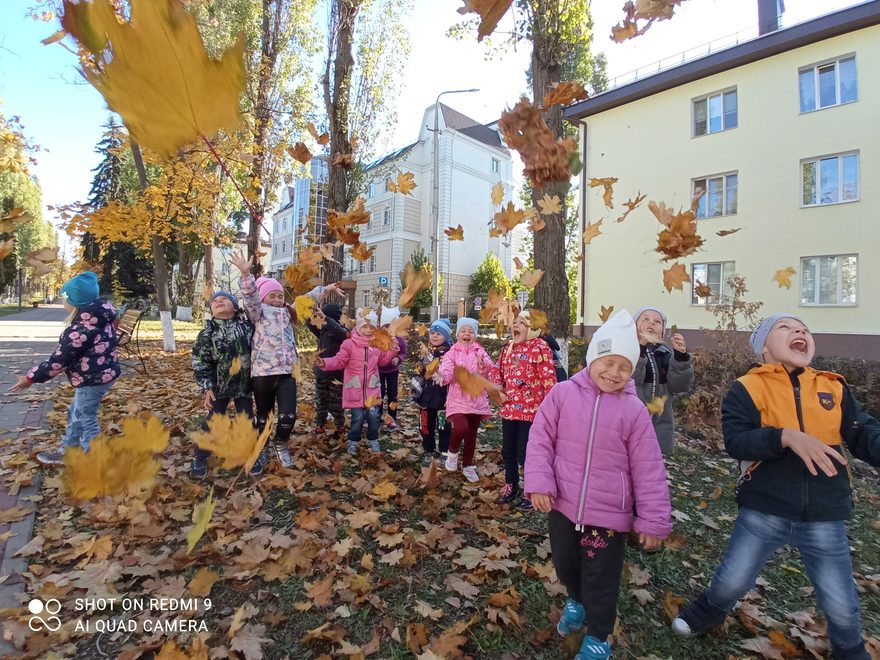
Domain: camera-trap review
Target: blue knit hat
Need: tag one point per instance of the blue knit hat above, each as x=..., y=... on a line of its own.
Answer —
x=226, y=294
x=81, y=290
x=759, y=335
x=466, y=320
x=442, y=327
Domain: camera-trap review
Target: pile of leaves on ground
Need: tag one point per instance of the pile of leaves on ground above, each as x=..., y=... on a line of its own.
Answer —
x=371, y=556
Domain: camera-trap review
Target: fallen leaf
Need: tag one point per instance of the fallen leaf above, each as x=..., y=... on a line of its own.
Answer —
x=201, y=517
x=428, y=611
x=671, y=604
x=764, y=647
x=202, y=582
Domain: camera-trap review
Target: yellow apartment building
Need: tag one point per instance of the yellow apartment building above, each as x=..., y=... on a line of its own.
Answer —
x=781, y=134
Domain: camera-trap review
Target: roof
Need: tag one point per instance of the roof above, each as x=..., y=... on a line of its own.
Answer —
x=471, y=127
x=773, y=43
x=403, y=151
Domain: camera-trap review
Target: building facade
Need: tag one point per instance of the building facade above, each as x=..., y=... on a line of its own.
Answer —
x=780, y=137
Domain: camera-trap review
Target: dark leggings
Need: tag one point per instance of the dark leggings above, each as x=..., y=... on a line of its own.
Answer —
x=388, y=383
x=268, y=390
x=243, y=404
x=428, y=428
x=464, y=432
x=589, y=564
x=514, y=438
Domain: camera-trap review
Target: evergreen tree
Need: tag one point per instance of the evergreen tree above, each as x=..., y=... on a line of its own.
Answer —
x=424, y=299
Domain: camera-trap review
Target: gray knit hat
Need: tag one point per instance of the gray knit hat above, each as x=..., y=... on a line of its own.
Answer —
x=648, y=308
x=759, y=335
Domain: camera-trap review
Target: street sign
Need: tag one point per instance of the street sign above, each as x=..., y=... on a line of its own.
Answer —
x=383, y=281
x=478, y=303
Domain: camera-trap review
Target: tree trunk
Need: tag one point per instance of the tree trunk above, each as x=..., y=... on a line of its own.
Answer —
x=185, y=286
x=336, y=102
x=160, y=264
x=209, y=268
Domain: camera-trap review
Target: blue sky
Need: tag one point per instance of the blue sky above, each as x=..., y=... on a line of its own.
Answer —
x=64, y=115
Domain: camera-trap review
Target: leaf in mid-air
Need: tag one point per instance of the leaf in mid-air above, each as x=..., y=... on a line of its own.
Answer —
x=675, y=276
x=592, y=231
x=455, y=233
x=490, y=12
x=497, y=194
x=550, y=205
x=404, y=184
x=530, y=278
x=605, y=313
x=300, y=152
x=153, y=70
x=783, y=277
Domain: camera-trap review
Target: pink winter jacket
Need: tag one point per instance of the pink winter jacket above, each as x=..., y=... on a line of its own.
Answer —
x=596, y=455
x=361, y=362
x=475, y=359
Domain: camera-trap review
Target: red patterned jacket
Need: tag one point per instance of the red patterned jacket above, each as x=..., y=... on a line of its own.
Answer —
x=526, y=372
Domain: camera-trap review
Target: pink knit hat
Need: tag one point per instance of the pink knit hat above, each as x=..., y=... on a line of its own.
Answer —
x=267, y=284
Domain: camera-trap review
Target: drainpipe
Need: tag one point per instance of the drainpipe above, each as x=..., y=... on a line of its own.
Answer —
x=583, y=248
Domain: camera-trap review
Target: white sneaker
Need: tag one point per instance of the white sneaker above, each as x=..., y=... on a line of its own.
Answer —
x=451, y=463
x=283, y=454
x=681, y=627
x=470, y=473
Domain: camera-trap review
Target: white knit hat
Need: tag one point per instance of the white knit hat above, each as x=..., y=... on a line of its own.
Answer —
x=389, y=314
x=617, y=336
x=363, y=319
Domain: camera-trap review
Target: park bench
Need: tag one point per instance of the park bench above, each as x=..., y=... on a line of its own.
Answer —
x=126, y=331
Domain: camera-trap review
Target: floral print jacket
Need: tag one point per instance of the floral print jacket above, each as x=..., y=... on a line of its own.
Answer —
x=86, y=349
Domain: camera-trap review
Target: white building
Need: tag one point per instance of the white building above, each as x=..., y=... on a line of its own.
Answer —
x=472, y=159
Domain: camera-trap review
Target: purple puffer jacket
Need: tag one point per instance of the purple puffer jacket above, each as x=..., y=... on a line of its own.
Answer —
x=475, y=359
x=361, y=362
x=596, y=455
x=391, y=367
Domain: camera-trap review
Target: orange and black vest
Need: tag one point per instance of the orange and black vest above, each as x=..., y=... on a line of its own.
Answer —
x=775, y=480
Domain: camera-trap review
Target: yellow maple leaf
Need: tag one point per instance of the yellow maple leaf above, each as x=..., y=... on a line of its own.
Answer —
x=607, y=183
x=454, y=233
x=783, y=277
x=497, y=194
x=362, y=251
x=510, y=216
x=530, y=278
x=201, y=517
x=550, y=205
x=655, y=405
x=591, y=231
x=413, y=282
x=202, y=582
x=384, y=490
x=490, y=12
x=139, y=435
x=421, y=329
x=675, y=276
x=236, y=441
x=235, y=366
x=304, y=306
x=404, y=185
x=473, y=384
x=538, y=320
x=153, y=70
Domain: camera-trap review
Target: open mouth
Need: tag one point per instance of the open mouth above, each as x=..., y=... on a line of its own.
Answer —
x=608, y=381
x=799, y=346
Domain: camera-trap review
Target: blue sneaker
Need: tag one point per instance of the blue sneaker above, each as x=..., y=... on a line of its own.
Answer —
x=572, y=618
x=593, y=649
x=199, y=469
x=352, y=448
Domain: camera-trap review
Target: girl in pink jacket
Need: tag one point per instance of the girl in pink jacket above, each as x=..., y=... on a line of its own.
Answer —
x=361, y=393
x=592, y=459
x=465, y=412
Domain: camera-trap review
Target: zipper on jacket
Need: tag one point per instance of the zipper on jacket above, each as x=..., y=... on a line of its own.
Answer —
x=580, y=510
x=796, y=386
x=366, y=366
x=622, y=492
x=654, y=377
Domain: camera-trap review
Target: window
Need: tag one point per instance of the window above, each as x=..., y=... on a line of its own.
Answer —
x=366, y=298
x=371, y=190
x=715, y=276
x=495, y=165
x=718, y=195
x=386, y=217
x=825, y=85
x=714, y=113
x=829, y=280
x=361, y=267
x=283, y=247
x=372, y=263
x=830, y=180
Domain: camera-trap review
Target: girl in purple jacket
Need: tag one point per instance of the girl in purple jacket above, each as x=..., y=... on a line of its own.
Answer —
x=389, y=374
x=592, y=456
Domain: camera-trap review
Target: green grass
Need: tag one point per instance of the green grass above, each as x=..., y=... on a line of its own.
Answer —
x=6, y=310
x=183, y=330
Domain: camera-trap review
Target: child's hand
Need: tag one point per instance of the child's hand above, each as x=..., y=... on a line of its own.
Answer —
x=437, y=378
x=243, y=265
x=319, y=362
x=332, y=288
x=22, y=383
x=542, y=502
x=678, y=343
x=395, y=362
x=209, y=399
x=813, y=452
x=502, y=397
x=649, y=542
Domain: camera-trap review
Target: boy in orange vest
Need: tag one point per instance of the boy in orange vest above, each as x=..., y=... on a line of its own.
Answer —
x=785, y=423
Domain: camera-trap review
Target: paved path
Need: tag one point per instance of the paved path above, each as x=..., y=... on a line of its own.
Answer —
x=26, y=338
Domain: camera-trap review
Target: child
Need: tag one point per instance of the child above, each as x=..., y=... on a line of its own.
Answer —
x=430, y=396
x=360, y=382
x=389, y=374
x=226, y=336
x=328, y=384
x=526, y=372
x=661, y=371
x=785, y=423
x=592, y=454
x=273, y=354
x=463, y=411
x=87, y=354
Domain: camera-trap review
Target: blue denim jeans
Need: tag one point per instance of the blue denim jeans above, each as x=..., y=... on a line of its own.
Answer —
x=82, y=416
x=824, y=549
x=358, y=417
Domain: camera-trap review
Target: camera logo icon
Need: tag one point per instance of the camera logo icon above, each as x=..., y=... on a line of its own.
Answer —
x=37, y=607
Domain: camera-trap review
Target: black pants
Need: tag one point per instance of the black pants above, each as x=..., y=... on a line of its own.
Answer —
x=268, y=390
x=589, y=564
x=328, y=399
x=514, y=438
x=388, y=383
x=243, y=404
x=428, y=428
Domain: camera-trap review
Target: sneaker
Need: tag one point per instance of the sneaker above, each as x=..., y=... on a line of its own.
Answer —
x=572, y=618
x=374, y=447
x=470, y=473
x=258, y=468
x=593, y=649
x=391, y=426
x=451, y=463
x=282, y=453
x=681, y=627
x=198, y=470
x=525, y=504
x=508, y=494
x=427, y=459
x=352, y=448
x=318, y=430
x=50, y=458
